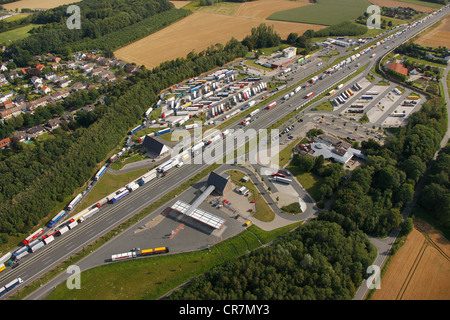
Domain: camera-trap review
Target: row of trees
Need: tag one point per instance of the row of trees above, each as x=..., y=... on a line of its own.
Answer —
x=262, y=36
x=318, y=261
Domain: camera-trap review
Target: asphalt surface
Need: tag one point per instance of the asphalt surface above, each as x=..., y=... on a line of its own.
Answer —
x=110, y=216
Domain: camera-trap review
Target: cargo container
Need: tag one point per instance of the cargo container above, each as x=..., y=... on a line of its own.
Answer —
x=37, y=246
x=398, y=114
x=63, y=230
x=72, y=225
x=331, y=92
x=413, y=97
x=340, y=86
x=367, y=97
x=313, y=79
x=373, y=93
x=48, y=240
x=74, y=202
x=254, y=112
x=149, y=110
x=33, y=236
x=397, y=91
x=162, y=131
x=251, y=103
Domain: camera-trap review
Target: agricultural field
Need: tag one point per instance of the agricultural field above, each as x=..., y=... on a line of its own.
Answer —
x=36, y=4
x=16, y=34
x=264, y=8
x=180, y=4
x=325, y=12
x=436, y=37
x=178, y=39
x=414, y=4
x=420, y=269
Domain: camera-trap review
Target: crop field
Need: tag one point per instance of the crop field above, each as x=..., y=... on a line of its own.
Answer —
x=196, y=32
x=325, y=12
x=420, y=270
x=439, y=36
x=264, y=8
x=36, y=4
x=415, y=4
x=180, y=4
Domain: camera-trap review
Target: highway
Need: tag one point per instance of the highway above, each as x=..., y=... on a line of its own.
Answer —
x=35, y=265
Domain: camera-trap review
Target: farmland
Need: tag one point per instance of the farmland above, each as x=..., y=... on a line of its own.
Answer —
x=436, y=37
x=420, y=269
x=178, y=39
x=325, y=12
x=36, y=4
x=415, y=4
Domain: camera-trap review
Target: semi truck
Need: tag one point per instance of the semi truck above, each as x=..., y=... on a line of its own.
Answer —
x=74, y=202
x=120, y=196
x=33, y=236
x=56, y=218
x=100, y=173
x=281, y=179
x=162, y=131
x=147, y=177
x=309, y=95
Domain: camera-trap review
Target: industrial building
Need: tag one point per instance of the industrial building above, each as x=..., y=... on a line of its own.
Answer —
x=155, y=147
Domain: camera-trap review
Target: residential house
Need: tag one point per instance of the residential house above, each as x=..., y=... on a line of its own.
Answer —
x=3, y=80
x=40, y=102
x=36, y=131
x=20, y=100
x=71, y=65
x=78, y=86
x=52, y=124
x=9, y=113
x=399, y=68
x=36, y=81
x=53, y=59
x=50, y=76
x=45, y=90
x=3, y=68
x=6, y=96
x=61, y=94
x=64, y=83
x=8, y=104
x=5, y=143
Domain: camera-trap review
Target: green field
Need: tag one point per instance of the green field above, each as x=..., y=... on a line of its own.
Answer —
x=16, y=34
x=325, y=12
x=422, y=3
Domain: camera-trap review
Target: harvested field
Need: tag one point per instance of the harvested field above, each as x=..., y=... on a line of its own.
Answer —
x=36, y=4
x=196, y=32
x=420, y=270
x=180, y=4
x=439, y=36
x=394, y=3
x=264, y=8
